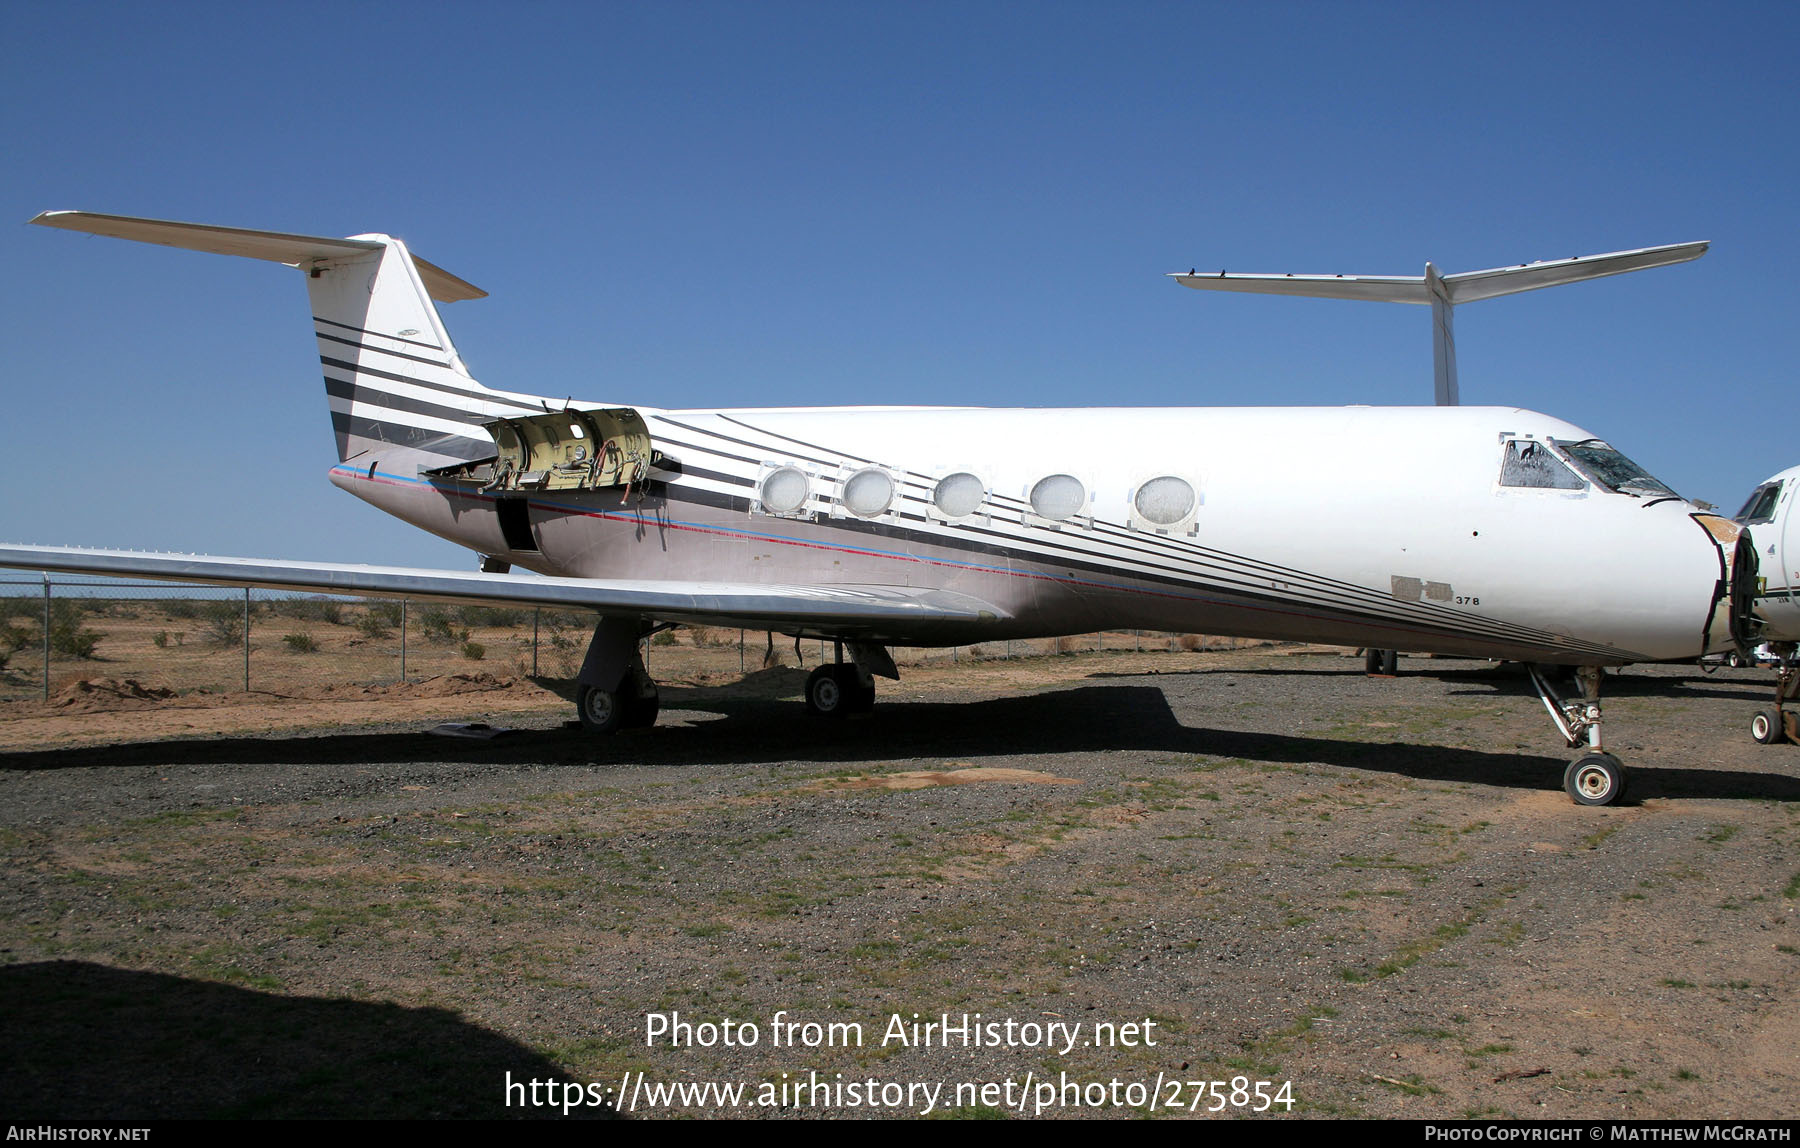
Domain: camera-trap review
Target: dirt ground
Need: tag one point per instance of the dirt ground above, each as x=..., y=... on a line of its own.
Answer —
x=1258, y=867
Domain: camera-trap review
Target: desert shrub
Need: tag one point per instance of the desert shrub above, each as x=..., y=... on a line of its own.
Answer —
x=224, y=622
x=496, y=617
x=474, y=651
x=161, y=640
x=301, y=643
x=437, y=626
x=388, y=612
x=327, y=610
x=370, y=625
x=569, y=620
x=181, y=608
x=1190, y=642
x=663, y=638
x=15, y=638
x=66, y=635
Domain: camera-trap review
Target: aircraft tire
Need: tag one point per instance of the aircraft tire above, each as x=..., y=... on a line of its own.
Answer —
x=1381, y=663
x=827, y=693
x=1765, y=727
x=644, y=702
x=1595, y=779
x=601, y=711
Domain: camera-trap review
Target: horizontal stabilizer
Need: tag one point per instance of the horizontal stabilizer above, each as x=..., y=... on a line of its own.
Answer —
x=275, y=246
x=1463, y=287
x=842, y=608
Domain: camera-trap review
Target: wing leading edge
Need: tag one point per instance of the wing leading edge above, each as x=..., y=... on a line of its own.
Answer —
x=873, y=611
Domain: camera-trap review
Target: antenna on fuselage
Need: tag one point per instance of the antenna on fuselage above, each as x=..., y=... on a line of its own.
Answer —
x=1444, y=292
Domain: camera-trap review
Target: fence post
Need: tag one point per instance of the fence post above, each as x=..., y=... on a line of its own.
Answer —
x=403, y=639
x=46, y=635
x=740, y=653
x=536, y=613
x=246, y=639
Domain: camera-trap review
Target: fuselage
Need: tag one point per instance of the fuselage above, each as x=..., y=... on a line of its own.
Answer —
x=1417, y=529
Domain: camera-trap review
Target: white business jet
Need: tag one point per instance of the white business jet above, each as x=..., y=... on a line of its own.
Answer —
x=1506, y=534
x=1442, y=293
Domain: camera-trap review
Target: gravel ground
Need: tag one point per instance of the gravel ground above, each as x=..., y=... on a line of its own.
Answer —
x=1274, y=868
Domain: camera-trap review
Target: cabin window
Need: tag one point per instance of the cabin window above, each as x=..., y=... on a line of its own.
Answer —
x=869, y=492
x=1531, y=464
x=1611, y=469
x=1761, y=505
x=1164, y=501
x=1058, y=497
x=784, y=490
x=959, y=495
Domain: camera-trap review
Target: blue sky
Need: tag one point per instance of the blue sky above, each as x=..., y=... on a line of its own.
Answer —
x=691, y=204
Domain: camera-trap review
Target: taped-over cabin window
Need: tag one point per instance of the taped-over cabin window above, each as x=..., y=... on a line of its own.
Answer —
x=959, y=495
x=1528, y=463
x=1058, y=497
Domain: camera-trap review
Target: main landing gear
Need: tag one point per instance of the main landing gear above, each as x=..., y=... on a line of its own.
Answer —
x=1778, y=723
x=1596, y=777
x=614, y=691
x=634, y=704
x=839, y=688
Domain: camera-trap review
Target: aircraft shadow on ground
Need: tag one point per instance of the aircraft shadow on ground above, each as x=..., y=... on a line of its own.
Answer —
x=87, y=1042
x=1086, y=719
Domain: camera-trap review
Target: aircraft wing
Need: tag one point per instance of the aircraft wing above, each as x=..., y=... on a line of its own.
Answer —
x=848, y=610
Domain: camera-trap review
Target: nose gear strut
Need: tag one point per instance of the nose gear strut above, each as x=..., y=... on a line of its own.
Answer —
x=1596, y=777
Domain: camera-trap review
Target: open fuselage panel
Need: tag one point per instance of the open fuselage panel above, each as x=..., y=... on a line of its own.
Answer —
x=563, y=450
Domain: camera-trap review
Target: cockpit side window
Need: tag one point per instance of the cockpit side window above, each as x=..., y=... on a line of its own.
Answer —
x=1761, y=505
x=1613, y=470
x=1531, y=464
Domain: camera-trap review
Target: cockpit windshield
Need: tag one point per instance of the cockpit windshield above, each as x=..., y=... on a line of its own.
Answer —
x=1761, y=504
x=1609, y=468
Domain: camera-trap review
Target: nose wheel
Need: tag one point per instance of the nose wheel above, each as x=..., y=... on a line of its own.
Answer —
x=1778, y=724
x=1595, y=779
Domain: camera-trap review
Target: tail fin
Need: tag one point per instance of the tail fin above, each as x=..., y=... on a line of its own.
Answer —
x=392, y=376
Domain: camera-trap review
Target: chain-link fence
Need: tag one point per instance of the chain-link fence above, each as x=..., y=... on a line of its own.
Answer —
x=58, y=631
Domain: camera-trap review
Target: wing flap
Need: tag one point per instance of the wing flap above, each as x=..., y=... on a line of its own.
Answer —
x=850, y=610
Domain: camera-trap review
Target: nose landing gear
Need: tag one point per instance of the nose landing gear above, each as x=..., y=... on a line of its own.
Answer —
x=1596, y=777
x=1778, y=724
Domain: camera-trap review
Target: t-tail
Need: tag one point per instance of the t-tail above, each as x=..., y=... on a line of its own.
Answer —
x=393, y=378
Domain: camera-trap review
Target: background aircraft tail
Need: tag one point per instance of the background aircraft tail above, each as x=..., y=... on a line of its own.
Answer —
x=392, y=376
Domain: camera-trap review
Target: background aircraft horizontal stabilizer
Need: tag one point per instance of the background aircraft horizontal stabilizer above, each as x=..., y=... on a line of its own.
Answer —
x=1462, y=287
